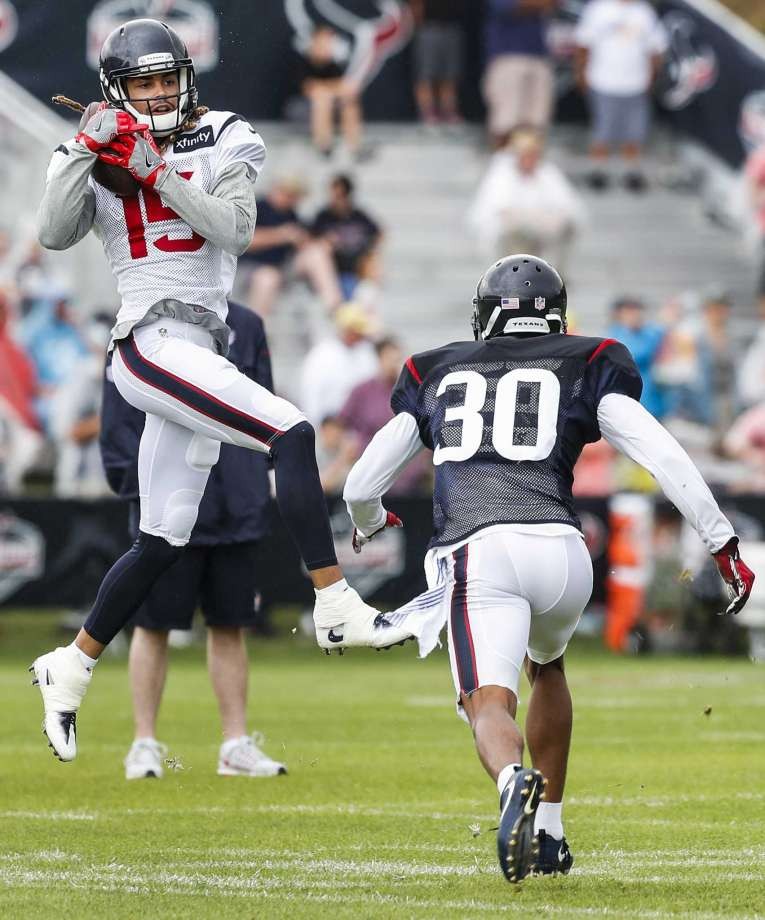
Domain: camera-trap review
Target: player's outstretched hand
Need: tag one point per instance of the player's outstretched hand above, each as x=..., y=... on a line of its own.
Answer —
x=106, y=127
x=735, y=573
x=359, y=540
x=138, y=154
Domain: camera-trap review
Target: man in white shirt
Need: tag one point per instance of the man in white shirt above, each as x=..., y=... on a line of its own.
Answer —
x=333, y=367
x=620, y=44
x=525, y=203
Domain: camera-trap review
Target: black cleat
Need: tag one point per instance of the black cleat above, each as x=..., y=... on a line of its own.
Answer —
x=517, y=847
x=554, y=856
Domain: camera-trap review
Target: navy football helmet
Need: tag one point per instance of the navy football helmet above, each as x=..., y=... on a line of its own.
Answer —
x=147, y=46
x=519, y=294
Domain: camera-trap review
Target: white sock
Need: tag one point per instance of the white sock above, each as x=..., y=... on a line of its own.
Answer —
x=89, y=662
x=337, y=588
x=505, y=774
x=549, y=818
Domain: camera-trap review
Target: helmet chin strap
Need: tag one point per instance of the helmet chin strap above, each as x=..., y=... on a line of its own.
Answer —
x=167, y=122
x=162, y=124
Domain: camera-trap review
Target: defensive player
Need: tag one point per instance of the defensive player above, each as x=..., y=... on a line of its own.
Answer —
x=172, y=243
x=217, y=572
x=507, y=417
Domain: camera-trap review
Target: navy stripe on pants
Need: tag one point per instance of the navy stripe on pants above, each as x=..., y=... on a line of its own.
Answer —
x=462, y=638
x=192, y=396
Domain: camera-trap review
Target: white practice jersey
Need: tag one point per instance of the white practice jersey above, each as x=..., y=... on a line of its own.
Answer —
x=153, y=253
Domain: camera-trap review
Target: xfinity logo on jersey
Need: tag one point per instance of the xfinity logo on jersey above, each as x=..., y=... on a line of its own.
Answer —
x=204, y=137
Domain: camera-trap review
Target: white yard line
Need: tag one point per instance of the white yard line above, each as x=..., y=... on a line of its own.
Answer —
x=117, y=879
x=381, y=811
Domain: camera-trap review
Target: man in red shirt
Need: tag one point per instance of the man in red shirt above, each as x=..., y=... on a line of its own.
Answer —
x=19, y=428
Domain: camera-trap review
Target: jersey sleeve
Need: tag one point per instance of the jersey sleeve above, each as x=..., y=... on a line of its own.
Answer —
x=238, y=142
x=612, y=369
x=404, y=395
x=58, y=159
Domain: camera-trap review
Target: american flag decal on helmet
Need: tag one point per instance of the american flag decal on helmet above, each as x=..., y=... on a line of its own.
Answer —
x=539, y=303
x=510, y=303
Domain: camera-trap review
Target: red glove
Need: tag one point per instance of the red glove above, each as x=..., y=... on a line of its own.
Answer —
x=138, y=154
x=359, y=540
x=106, y=127
x=735, y=573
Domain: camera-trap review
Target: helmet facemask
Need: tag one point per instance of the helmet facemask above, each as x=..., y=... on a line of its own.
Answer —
x=115, y=92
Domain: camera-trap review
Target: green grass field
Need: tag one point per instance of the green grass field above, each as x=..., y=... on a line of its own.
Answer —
x=385, y=812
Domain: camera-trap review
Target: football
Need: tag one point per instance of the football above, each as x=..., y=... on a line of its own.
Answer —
x=115, y=178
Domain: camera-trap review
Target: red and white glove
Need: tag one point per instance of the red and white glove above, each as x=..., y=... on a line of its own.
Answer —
x=106, y=127
x=359, y=540
x=138, y=154
x=735, y=573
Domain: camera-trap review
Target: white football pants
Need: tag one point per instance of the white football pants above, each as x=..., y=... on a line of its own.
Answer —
x=509, y=595
x=194, y=399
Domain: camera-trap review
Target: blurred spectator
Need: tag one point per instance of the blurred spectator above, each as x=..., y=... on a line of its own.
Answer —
x=751, y=370
x=352, y=234
x=644, y=340
x=323, y=81
x=594, y=470
x=518, y=81
x=754, y=172
x=20, y=438
x=367, y=409
x=526, y=204
x=745, y=441
x=438, y=59
x=333, y=367
x=75, y=420
x=704, y=345
x=54, y=344
x=336, y=452
x=620, y=48
x=282, y=246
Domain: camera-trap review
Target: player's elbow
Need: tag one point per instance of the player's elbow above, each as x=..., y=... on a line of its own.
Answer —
x=49, y=238
x=244, y=229
x=353, y=491
x=240, y=244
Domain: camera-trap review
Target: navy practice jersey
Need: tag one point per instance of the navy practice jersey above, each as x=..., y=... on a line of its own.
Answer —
x=507, y=419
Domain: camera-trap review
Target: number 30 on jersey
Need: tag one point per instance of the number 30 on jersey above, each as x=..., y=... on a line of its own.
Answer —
x=527, y=399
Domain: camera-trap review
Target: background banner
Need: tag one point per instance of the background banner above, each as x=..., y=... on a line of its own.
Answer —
x=712, y=88
x=54, y=553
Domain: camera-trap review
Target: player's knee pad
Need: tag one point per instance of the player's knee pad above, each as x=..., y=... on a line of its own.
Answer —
x=202, y=453
x=175, y=520
x=180, y=515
